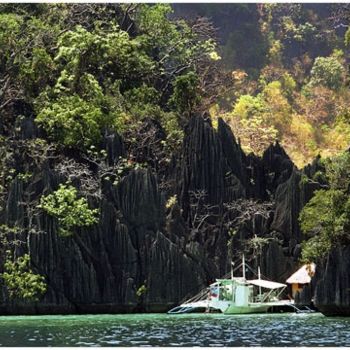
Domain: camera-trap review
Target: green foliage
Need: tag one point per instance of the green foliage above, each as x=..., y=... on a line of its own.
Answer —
x=35, y=73
x=310, y=120
x=303, y=181
x=174, y=132
x=278, y=108
x=300, y=33
x=347, y=37
x=311, y=219
x=10, y=26
x=143, y=101
x=8, y=237
x=338, y=171
x=82, y=72
x=172, y=200
x=124, y=167
x=315, y=248
x=319, y=176
x=327, y=71
x=78, y=108
x=153, y=20
x=74, y=122
x=85, y=74
x=20, y=280
x=109, y=51
x=275, y=52
x=326, y=217
x=288, y=84
x=83, y=77
x=300, y=89
x=69, y=210
x=248, y=106
x=186, y=95
x=257, y=244
x=141, y=291
x=25, y=177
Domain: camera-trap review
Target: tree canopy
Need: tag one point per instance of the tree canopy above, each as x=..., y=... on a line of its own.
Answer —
x=81, y=77
x=325, y=219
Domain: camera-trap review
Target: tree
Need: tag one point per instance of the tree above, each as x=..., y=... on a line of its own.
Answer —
x=240, y=216
x=70, y=211
x=325, y=219
x=255, y=134
x=248, y=106
x=202, y=213
x=327, y=71
x=185, y=96
x=255, y=120
x=74, y=122
x=20, y=280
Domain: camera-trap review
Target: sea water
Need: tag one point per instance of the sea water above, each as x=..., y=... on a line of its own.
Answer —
x=175, y=330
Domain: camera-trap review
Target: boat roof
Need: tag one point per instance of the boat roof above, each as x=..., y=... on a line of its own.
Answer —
x=266, y=284
x=303, y=275
x=225, y=281
x=257, y=282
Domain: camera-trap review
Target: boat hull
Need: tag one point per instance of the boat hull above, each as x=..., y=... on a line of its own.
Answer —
x=249, y=309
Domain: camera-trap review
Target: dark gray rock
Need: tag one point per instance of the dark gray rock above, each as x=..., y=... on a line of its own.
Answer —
x=142, y=256
x=202, y=166
x=113, y=145
x=332, y=295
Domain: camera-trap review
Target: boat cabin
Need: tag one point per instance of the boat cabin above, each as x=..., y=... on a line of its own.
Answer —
x=243, y=292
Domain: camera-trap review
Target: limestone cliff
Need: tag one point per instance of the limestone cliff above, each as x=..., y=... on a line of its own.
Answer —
x=140, y=244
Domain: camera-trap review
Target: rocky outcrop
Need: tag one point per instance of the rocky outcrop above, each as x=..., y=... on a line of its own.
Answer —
x=332, y=281
x=291, y=196
x=144, y=254
x=102, y=268
x=202, y=166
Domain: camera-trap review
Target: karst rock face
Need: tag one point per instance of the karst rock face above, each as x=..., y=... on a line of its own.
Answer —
x=332, y=283
x=146, y=256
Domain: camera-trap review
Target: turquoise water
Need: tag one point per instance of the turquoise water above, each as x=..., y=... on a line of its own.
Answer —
x=175, y=330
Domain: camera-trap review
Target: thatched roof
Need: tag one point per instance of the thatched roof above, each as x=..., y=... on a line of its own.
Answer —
x=303, y=275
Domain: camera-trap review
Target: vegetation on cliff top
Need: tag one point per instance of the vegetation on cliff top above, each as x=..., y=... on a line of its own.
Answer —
x=290, y=75
x=107, y=69
x=302, y=90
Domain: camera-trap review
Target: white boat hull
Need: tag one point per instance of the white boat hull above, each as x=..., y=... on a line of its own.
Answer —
x=249, y=309
x=230, y=308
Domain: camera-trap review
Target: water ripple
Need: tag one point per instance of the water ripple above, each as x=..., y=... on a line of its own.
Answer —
x=175, y=330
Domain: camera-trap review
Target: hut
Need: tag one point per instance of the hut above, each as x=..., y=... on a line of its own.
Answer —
x=301, y=278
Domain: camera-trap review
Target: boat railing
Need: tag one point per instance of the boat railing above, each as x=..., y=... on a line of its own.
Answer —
x=203, y=294
x=301, y=309
x=191, y=304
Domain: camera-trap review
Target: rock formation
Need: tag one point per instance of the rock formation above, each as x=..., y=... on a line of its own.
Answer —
x=145, y=256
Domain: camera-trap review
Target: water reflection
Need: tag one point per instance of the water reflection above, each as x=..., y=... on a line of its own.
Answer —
x=175, y=330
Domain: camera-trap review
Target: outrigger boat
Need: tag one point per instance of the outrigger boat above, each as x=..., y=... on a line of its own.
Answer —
x=237, y=295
